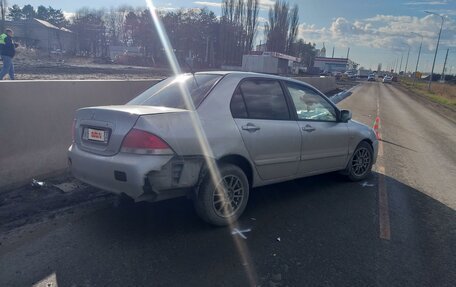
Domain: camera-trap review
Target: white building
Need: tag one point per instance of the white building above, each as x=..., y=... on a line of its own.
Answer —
x=269, y=62
x=334, y=64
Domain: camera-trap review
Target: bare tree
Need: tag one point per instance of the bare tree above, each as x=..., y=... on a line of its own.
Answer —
x=293, y=29
x=239, y=23
x=3, y=8
x=115, y=22
x=277, y=27
x=281, y=30
x=90, y=30
x=252, y=22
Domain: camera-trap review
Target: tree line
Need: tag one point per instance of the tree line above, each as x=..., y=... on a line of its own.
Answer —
x=27, y=12
x=197, y=35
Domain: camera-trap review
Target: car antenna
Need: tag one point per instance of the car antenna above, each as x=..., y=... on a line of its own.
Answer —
x=193, y=73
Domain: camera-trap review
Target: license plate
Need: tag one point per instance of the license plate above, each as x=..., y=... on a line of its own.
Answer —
x=96, y=135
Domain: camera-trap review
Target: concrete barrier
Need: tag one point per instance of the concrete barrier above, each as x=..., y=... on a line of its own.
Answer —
x=324, y=84
x=36, y=119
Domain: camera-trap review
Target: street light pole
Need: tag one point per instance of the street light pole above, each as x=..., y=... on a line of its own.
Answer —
x=436, y=48
x=442, y=78
x=406, y=62
x=418, y=59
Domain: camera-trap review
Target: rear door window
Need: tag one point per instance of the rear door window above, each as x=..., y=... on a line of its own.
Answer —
x=238, y=109
x=262, y=99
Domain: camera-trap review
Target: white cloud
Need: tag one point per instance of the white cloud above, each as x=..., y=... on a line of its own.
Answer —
x=382, y=31
x=427, y=3
x=263, y=4
x=68, y=15
x=208, y=4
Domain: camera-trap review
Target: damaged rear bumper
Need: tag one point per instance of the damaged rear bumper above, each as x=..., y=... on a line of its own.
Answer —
x=150, y=178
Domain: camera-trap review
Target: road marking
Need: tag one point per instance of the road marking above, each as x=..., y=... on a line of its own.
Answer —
x=366, y=184
x=383, y=209
x=241, y=232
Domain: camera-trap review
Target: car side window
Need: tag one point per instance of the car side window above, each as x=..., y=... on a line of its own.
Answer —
x=237, y=106
x=264, y=99
x=310, y=105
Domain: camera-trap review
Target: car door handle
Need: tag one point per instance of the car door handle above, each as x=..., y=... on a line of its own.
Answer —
x=308, y=128
x=250, y=127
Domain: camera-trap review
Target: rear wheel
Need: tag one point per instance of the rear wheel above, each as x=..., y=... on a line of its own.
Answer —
x=223, y=202
x=360, y=164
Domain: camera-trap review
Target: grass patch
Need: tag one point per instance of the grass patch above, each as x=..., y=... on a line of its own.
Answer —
x=441, y=93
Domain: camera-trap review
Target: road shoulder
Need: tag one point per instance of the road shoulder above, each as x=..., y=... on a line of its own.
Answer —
x=446, y=111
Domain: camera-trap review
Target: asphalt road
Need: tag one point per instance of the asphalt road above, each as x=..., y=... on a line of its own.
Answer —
x=398, y=228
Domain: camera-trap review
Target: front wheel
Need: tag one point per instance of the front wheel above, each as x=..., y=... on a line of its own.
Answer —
x=360, y=165
x=223, y=202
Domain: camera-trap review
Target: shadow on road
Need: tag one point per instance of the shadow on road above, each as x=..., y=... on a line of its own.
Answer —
x=316, y=231
x=398, y=145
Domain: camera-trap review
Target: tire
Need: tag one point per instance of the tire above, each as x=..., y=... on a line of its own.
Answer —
x=360, y=165
x=209, y=202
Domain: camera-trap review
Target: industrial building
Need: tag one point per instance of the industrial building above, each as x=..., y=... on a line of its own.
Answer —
x=269, y=62
x=42, y=35
x=334, y=64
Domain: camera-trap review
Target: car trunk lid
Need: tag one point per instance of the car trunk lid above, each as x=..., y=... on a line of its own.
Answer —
x=101, y=130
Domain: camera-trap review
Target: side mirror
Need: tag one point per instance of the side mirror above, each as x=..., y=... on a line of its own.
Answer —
x=345, y=115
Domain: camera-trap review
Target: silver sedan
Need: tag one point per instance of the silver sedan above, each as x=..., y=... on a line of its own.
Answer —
x=213, y=136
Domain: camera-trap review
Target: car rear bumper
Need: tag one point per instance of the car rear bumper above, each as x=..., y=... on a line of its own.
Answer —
x=121, y=173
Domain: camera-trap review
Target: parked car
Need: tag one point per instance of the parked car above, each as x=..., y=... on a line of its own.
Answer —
x=260, y=129
x=371, y=78
x=387, y=79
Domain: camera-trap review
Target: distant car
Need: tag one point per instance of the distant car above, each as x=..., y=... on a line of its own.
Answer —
x=350, y=75
x=325, y=73
x=371, y=78
x=387, y=79
x=250, y=129
x=394, y=78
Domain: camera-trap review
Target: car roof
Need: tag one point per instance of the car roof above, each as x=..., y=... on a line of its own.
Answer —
x=243, y=74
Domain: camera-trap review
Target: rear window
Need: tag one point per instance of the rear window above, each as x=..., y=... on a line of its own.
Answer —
x=169, y=92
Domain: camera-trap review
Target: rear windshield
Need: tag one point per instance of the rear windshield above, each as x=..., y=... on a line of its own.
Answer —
x=169, y=92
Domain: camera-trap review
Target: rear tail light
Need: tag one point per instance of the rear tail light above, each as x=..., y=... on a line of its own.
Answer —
x=141, y=142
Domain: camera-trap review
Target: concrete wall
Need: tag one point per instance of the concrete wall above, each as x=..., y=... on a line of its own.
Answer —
x=324, y=84
x=36, y=119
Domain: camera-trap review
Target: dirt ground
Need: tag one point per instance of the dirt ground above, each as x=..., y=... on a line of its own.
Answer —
x=31, y=66
x=53, y=70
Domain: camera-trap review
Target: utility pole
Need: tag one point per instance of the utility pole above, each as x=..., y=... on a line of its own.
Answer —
x=406, y=62
x=442, y=78
x=348, y=52
x=400, y=67
x=333, y=51
x=436, y=48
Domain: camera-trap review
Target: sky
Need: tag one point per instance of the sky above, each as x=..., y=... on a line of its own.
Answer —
x=376, y=31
